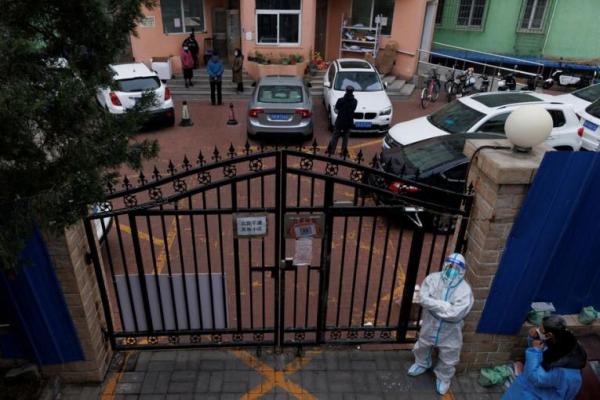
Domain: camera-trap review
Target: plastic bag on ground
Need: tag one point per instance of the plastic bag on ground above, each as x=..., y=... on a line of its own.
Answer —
x=588, y=315
x=495, y=375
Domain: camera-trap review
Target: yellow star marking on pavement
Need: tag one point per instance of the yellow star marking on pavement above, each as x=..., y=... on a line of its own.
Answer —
x=274, y=378
x=142, y=235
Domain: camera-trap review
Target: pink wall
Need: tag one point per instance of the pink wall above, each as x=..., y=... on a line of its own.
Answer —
x=407, y=28
x=153, y=42
x=307, y=31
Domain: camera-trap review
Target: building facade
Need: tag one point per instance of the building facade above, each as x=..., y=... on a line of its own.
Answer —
x=546, y=30
x=279, y=29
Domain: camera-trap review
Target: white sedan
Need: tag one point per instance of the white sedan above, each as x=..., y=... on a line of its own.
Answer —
x=487, y=112
x=581, y=98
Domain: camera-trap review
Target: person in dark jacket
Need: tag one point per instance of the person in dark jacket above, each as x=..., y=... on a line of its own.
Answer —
x=553, y=364
x=215, y=75
x=238, y=63
x=344, y=107
x=192, y=45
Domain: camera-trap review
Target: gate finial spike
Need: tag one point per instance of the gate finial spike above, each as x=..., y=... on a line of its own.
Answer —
x=200, y=160
x=359, y=156
x=315, y=146
x=216, y=155
x=247, y=148
x=231, y=153
x=126, y=183
x=374, y=161
x=345, y=153
x=171, y=168
x=156, y=174
x=186, y=163
x=142, y=178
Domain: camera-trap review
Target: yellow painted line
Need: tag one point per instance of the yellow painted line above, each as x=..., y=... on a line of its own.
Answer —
x=109, y=390
x=448, y=396
x=274, y=378
x=162, y=257
x=142, y=235
x=365, y=144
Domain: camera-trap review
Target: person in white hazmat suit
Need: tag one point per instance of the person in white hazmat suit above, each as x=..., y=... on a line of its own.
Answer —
x=446, y=299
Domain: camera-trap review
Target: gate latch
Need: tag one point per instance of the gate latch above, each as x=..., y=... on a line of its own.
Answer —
x=287, y=264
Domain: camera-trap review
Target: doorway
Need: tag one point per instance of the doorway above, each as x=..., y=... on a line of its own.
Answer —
x=219, y=28
x=321, y=29
x=428, y=27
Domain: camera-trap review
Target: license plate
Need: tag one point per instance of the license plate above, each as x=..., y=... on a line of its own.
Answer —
x=279, y=117
x=362, y=124
x=590, y=125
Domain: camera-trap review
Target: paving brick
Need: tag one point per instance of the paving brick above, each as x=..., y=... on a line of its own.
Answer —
x=216, y=381
x=162, y=382
x=152, y=397
x=202, y=381
x=239, y=387
x=181, y=387
x=339, y=381
x=128, y=388
x=165, y=355
x=143, y=360
x=212, y=365
x=161, y=366
x=183, y=376
x=133, y=377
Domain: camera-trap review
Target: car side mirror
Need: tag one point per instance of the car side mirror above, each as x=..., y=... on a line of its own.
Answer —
x=253, y=84
x=163, y=80
x=327, y=84
x=385, y=85
x=308, y=84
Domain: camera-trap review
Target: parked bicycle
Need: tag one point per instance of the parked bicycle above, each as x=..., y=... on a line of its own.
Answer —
x=431, y=91
x=466, y=84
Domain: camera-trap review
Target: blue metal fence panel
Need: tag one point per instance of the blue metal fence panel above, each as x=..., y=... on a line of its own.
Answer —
x=39, y=309
x=553, y=251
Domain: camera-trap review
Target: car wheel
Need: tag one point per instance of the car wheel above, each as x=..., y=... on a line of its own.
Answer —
x=171, y=121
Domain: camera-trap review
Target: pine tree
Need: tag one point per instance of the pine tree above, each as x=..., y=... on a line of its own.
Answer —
x=57, y=147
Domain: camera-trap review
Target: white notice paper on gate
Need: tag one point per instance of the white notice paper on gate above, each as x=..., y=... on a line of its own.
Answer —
x=303, y=252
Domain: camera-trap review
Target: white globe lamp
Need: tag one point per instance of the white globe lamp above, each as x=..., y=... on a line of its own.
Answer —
x=527, y=127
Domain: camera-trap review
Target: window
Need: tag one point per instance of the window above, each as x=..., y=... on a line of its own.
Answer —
x=440, y=12
x=594, y=109
x=138, y=84
x=533, y=15
x=590, y=93
x=180, y=16
x=278, y=21
x=470, y=13
x=331, y=74
x=455, y=117
x=366, y=11
x=494, y=124
x=360, y=81
x=280, y=94
x=558, y=118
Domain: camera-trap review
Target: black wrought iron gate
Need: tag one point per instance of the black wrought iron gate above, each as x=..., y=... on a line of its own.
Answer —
x=185, y=259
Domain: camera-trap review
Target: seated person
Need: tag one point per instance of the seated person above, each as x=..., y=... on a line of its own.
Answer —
x=553, y=364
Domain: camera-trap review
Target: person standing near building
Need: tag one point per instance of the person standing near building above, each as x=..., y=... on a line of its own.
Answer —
x=446, y=299
x=236, y=68
x=192, y=45
x=187, y=63
x=344, y=107
x=215, y=75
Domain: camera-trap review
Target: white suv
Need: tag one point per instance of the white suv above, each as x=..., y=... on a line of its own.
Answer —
x=130, y=82
x=374, y=110
x=487, y=112
x=590, y=118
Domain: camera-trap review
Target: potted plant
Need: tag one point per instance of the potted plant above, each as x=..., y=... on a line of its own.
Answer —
x=314, y=64
x=286, y=60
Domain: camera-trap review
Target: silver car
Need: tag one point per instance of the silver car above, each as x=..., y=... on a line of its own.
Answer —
x=280, y=105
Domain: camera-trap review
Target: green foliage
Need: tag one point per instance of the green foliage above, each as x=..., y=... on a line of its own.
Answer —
x=57, y=147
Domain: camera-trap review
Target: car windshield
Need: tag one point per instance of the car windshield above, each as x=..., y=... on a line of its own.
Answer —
x=590, y=93
x=360, y=81
x=594, y=109
x=279, y=94
x=138, y=84
x=429, y=155
x=455, y=117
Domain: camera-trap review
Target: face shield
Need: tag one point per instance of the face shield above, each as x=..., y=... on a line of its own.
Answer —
x=454, y=269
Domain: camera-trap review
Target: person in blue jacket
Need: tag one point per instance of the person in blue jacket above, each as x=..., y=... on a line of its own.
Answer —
x=215, y=74
x=553, y=364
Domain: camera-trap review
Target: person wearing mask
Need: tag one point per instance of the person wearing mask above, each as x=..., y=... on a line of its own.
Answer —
x=215, y=73
x=238, y=63
x=446, y=299
x=553, y=364
x=187, y=63
x=192, y=45
x=344, y=107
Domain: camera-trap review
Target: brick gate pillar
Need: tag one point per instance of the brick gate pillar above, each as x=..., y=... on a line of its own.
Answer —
x=501, y=179
x=80, y=288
